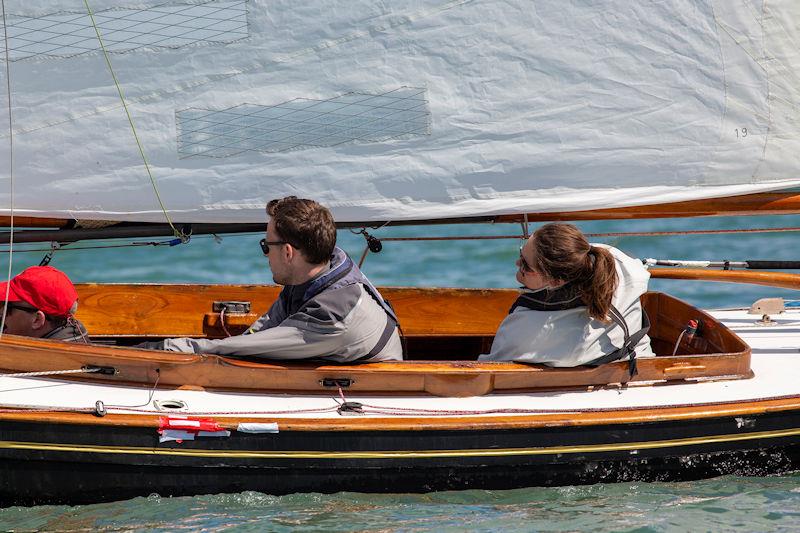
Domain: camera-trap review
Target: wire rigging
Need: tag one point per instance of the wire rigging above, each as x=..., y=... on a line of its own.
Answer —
x=61, y=247
x=601, y=235
x=10, y=169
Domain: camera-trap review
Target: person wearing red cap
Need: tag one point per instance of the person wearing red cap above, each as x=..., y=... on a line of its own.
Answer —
x=41, y=302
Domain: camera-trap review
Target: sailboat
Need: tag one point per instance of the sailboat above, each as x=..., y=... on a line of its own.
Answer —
x=183, y=117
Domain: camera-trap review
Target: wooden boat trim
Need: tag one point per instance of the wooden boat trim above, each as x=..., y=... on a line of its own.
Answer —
x=459, y=378
x=455, y=423
x=35, y=222
x=771, y=203
x=783, y=280
x=167, y=310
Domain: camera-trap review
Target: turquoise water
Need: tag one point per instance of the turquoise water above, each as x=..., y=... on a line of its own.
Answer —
x=722, y=504
x=475, y=263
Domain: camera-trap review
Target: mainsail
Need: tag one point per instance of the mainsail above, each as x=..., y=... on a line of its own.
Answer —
x=402, y=110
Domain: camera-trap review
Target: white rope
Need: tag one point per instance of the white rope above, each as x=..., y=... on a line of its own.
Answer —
x=50, y=373
x=10, y=171
x=222, y=321
x=678, y=343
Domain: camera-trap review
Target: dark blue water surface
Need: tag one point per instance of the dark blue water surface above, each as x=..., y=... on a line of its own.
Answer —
x=721, y=504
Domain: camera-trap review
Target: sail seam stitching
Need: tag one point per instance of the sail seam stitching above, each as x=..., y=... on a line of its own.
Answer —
x=259, y=66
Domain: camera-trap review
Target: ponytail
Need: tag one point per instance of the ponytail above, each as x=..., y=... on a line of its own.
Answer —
x=598, y=290
x=563, y=254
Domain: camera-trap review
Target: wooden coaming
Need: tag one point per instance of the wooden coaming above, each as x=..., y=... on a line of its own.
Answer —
x=142, y=310
x=147, y=311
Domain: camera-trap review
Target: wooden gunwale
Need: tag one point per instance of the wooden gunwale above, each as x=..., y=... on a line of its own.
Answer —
x=457, y=378
x=386, y=423
x=422, y=311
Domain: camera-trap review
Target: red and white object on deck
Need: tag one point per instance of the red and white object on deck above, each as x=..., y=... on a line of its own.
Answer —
x=179, y=429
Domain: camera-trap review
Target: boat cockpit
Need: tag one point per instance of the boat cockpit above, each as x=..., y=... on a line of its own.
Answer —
x=444, y=331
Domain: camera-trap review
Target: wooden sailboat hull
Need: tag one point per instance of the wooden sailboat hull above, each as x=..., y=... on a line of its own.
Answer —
x=451, y=423
x=43, y=462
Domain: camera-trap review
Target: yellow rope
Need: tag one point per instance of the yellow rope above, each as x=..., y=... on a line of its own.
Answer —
x=130, y=121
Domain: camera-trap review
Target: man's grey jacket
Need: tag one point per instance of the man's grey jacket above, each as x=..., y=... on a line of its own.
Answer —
x=337, y=316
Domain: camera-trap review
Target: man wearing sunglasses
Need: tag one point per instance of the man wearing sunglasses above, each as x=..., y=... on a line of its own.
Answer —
x=41, y=303
x=327, y=309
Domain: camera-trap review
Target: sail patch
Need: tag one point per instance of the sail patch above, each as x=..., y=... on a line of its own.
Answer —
x=303, y=123
x=170, y=25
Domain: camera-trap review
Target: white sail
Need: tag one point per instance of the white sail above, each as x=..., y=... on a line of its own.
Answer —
x=410, y=109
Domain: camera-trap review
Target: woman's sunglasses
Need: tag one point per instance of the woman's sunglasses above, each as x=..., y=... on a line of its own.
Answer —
x=522, y=263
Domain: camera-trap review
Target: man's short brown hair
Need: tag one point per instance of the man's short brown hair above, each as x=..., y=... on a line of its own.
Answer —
x=306, y=225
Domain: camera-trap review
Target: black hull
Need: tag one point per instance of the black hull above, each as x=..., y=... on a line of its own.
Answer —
x=75, y=464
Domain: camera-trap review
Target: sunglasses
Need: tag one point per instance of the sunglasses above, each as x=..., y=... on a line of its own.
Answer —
x=10, y=305
x=265, y=245
x=523, y=265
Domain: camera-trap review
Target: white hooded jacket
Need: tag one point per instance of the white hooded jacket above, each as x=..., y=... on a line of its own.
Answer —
x=570, y=337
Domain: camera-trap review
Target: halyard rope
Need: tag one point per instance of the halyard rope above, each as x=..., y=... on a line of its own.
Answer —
x=10, y=171
x=130, y=121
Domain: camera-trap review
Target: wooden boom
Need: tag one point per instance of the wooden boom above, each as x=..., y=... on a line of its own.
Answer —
x=773, y=203
x=783, y=280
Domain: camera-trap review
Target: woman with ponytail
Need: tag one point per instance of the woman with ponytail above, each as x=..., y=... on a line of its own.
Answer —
x=577, y=301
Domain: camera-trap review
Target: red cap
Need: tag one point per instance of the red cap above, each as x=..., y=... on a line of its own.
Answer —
x=43, y=287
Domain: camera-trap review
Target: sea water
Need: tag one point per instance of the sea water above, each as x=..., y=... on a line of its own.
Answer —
x=720, y=504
